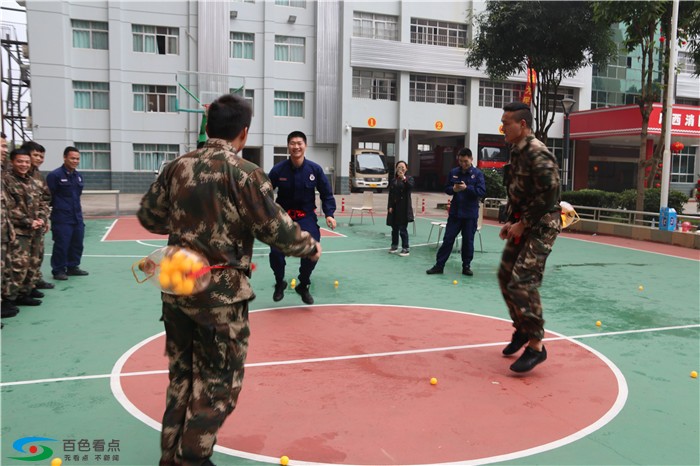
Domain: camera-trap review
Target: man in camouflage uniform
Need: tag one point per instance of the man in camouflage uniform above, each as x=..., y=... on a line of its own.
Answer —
x=213, y=202
x=534, y=221
x=28, y=219
x=9, y=309
x=37, y=154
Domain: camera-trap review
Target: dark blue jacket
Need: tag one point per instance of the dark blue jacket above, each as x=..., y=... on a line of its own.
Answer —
x=465, y=204
x=296, y=187
x=66, y=189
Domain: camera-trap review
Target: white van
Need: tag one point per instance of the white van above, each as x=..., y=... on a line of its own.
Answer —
x=368, y=170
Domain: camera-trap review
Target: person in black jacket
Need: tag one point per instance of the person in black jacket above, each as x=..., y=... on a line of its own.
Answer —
x=400, y=209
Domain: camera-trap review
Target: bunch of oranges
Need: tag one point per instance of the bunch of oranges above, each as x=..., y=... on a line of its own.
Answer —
x=178, y=272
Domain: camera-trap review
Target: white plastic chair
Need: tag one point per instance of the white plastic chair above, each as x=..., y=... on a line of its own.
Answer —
x=367, y=206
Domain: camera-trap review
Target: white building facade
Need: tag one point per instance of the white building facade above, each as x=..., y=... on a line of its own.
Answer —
x=112, y=78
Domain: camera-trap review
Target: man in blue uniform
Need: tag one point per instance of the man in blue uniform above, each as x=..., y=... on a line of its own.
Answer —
x=297, y=180
x=466, y=185
x=67, y=226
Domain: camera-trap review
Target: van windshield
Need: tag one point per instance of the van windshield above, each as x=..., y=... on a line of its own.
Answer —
x=370, y=163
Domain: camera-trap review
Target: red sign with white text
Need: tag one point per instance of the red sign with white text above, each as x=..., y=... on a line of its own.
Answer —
x=627, y=120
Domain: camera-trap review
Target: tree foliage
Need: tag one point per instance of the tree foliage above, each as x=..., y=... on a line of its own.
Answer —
x=555, y=39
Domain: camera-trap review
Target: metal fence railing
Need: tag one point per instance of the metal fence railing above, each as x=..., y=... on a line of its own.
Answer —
x=622, y=216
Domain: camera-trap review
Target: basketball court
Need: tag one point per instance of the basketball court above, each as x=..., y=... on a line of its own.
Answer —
x=347, y=381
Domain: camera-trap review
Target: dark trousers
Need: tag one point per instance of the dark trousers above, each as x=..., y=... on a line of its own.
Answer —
x=67, y=246
x=206, y=351
x=402, y=231
x=278, y=262
x=455, y=226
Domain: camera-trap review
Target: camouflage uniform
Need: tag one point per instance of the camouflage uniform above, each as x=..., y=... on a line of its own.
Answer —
x=37, y=254
x=28, y=206
x=215, y=203
x=532, y=182
x=8, y=236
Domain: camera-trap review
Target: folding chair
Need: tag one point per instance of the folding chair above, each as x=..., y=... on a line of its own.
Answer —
x=367, y=206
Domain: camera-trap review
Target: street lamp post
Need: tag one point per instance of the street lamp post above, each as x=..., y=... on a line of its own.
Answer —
x=567, y=104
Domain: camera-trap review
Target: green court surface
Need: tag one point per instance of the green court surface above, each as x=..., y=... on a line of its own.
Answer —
x=57, y=358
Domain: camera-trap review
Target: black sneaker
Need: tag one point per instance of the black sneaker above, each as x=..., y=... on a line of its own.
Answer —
x=393, y=250
x=36, y=294
x=434, y=270
x=516, y=342
x=42, y=285
x=404, y=252
x=76, y=272
x=279, y=291
x=25, y=300
x=303, y=291
x=529, y=359
x=60, y=276
x=467, y=271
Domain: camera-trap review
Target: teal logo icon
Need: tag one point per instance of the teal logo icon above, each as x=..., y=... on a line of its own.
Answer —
x=32, y=448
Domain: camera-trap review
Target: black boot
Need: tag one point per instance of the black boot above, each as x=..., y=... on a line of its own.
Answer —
x=303, y=291
x=8, y=309
x=42, y=285
x=516, y=342
x=279, y=291
x=36, y=293
x=24, y=300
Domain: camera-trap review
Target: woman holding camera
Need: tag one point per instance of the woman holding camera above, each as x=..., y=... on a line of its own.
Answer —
x=400, y=209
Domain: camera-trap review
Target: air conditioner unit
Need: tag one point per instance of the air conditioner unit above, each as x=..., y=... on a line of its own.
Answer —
x=25, y=50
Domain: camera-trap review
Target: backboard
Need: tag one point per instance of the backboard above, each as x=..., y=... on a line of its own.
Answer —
x=195, y=89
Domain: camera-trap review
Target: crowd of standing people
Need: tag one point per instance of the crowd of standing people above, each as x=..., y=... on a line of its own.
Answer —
x=31, y=206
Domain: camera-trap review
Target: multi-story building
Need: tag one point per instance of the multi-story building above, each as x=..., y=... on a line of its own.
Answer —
x=120, y=81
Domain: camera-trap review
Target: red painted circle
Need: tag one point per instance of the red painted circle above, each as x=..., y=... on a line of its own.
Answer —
x=33, y=449
x=350, y=384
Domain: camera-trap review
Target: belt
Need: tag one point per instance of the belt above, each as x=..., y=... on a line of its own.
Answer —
x=296, y=214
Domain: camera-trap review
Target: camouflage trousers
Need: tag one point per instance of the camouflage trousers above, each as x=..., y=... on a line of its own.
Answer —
x=206, y=349
x=5, y=270
x=37, y=255
x=22, y=274
x=520, y=274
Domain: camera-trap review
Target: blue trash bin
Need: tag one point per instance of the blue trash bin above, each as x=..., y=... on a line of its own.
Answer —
x=668, y=219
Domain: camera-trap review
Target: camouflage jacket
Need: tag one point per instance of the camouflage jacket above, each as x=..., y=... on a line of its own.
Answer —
x=8, y=231
x=26, y=197
x=532, y=182
x=44, y=188
x=216, y=203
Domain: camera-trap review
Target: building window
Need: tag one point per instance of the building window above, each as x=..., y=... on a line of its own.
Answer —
x=149, y=157
x=148, y=98
x=683, y=165
x=94, y=155
x=290, y=49
x=247, y=94
x=279, y=154
x=424, y=147
x=686, y=64
x=292, y=3
x=90, y=34
x=90, y=95
x=243, y=1
x=369, y=145
x=437, y=89
x=375, y=85
x=375, y=26
x=155, y=39
x=498, y=94
x=431, y=32
x=289, y=104
x=555, y=100
x=241, y=45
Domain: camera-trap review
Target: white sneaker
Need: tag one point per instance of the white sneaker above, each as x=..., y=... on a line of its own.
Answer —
x=404, y=252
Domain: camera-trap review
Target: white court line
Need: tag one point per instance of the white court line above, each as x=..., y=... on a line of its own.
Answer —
x=632, y=249
x=109, y=230
x=354, y=356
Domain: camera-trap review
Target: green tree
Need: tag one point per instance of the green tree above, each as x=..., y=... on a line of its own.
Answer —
x=555, y=39
x=642, y=21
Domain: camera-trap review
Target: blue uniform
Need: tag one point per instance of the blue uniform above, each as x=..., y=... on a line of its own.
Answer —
x=296, y=193
x=464, y=213
x=67, y=226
